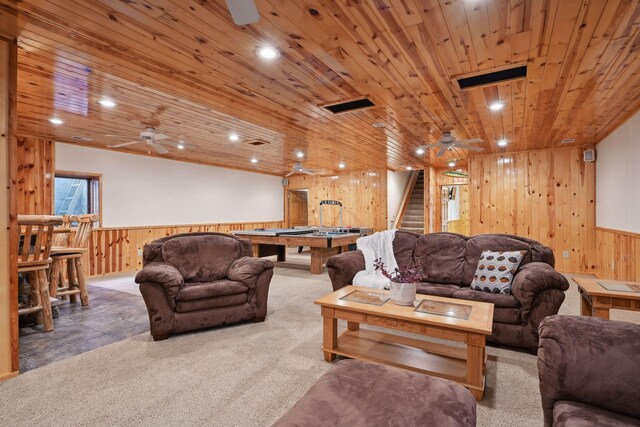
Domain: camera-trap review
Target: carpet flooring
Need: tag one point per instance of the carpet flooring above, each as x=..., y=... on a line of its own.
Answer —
x=244, y=375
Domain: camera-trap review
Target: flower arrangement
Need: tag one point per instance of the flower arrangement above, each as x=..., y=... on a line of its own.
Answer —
x=404, y=274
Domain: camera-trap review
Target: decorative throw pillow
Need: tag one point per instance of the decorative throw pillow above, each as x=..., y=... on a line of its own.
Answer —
x=496, y=270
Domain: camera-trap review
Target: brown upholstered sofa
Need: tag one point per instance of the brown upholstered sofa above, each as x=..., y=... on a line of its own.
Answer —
x=199, y=280
x=589, y=372
x=449, y=262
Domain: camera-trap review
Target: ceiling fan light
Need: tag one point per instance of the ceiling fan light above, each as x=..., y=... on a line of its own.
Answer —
x=496, y=106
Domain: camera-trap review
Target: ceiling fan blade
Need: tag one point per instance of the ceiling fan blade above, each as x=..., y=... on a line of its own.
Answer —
x=159, y=136
x=124, y=144
x=159, y=148
x=469, y=147
x=307, y=172
x=290, y=173
x=441, y=152
x=472, y=141
x=430, y=145
x=243, y=12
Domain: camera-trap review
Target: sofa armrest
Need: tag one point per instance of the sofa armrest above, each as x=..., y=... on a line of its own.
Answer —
x=247, y=270
x=164, y=274
x=534, y=278
x=591, y=361
x=342, y=268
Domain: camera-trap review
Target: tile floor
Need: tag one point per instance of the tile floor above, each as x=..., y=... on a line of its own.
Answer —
x=110, y=316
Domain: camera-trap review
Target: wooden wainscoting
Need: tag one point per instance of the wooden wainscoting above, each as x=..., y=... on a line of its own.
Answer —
x=616, y=254
x=113, y=250
x=547, y=195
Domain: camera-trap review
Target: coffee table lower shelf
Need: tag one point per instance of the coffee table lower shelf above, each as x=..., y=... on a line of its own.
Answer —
x=430, y=358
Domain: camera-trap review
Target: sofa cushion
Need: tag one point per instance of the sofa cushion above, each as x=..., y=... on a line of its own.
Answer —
x=218, y=288
x=496, y=270
x=404, y=243
x=437, y=289
x=499, y=300
x=201, y=258
x=208, y=303
x=441, y=256
x=510, y=316
x=574, y=414
x=492, y=242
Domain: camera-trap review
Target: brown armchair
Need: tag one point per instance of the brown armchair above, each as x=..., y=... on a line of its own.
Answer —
x=588, y=370
x=200, y=280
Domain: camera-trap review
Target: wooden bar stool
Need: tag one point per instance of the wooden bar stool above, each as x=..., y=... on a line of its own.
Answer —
x=34, y=247
x=72, y=254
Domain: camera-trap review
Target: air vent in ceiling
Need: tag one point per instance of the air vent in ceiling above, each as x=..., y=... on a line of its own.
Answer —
x=348, y=106
x=568, y=141
x=257, y=142
x=493, y=77
x=81, y=138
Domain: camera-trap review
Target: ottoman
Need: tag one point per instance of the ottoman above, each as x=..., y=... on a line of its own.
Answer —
x=358, y=394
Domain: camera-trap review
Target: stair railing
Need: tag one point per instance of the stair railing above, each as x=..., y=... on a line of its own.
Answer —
x=406, y=197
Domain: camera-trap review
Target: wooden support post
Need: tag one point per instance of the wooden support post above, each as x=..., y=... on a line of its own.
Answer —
x=9, y=361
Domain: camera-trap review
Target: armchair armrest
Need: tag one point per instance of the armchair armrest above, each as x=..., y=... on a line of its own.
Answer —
x=248, y=270
x=164, y=274
x=534, y=278
x=342, y=268
x=591, y=361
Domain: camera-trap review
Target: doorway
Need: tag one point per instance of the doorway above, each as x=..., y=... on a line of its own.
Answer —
x=298, y=208
x=453, y=211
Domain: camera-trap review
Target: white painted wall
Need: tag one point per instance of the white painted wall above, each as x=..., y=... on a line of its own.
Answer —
x=139, y=190
x=396, y=183
x=617, y=176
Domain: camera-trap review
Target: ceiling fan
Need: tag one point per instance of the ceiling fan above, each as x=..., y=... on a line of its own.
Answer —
x=150, y=137
x=449, y=142
x=243, y=12
x=298, y=168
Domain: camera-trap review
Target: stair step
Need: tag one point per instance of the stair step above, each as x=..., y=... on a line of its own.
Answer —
x=413, y=230
x=416, y=224
x=413, y=217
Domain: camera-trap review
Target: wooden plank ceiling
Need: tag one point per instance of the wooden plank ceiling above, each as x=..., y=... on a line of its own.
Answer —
x=186, y=69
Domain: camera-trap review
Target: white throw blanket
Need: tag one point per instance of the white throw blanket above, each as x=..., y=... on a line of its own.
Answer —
x=378, y=245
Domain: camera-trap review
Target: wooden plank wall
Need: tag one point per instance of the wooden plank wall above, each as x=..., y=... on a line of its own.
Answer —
x=616, y=254
x=34, y=183
x=547, y=195
x=114, y=250
x=362, y=193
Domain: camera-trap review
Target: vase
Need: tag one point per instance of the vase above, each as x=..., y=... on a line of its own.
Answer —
x=403, y=293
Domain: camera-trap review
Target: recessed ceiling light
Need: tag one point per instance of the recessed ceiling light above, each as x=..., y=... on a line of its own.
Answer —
x=502, y=143
x=180, y=145
x=420, y=151
x=267, y=52
x=409, y=168
x=106, y=102
x=234, y=137
x=56, y=121
x=299, y=154
x=452, y=164
x=496, y=106
x=254, y=160
x=341, y=165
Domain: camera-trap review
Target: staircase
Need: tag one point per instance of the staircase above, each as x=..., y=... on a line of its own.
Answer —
x=413, y=219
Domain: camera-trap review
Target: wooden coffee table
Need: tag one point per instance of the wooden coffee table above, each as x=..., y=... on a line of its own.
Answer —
x=466, y=366
x=597, y=300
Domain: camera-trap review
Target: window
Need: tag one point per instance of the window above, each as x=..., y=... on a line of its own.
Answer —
x=76, y=193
